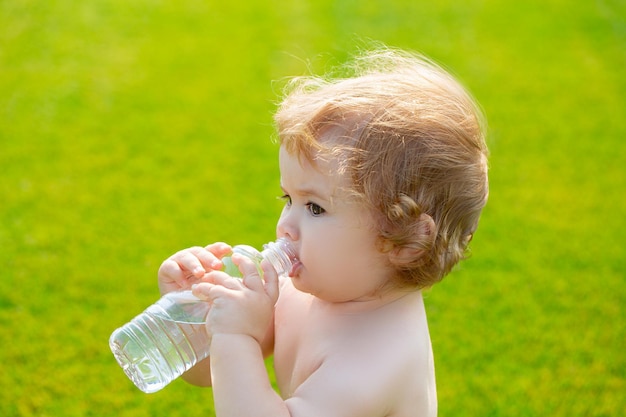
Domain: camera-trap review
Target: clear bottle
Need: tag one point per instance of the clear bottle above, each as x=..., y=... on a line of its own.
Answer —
x=170, y=336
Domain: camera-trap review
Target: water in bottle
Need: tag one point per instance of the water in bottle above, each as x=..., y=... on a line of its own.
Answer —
x=168, y=338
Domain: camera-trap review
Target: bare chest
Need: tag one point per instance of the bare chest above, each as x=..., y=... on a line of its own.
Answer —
x=302, y=342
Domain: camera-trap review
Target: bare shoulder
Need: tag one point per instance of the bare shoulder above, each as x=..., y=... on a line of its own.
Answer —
x=387, y=355
x=394, y=342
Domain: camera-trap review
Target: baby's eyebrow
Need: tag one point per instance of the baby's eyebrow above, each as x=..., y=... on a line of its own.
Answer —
x=306, y=192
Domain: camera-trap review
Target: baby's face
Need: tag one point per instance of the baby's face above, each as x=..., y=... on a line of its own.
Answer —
x=333, y=234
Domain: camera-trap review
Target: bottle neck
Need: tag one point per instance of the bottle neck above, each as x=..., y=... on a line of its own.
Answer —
x=281, y=254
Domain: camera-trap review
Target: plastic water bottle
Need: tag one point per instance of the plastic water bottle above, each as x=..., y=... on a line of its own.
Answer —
x=170, y=336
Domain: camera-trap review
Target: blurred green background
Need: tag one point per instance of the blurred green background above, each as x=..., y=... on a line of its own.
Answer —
x=132, y=129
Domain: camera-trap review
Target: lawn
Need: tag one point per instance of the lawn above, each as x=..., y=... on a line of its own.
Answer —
x=132, y=129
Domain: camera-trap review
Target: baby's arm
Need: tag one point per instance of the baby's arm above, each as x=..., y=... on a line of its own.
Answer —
x=240, y=323
x=242, y=386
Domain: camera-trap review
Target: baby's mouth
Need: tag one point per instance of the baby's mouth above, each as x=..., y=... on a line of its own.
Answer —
x=295, y=267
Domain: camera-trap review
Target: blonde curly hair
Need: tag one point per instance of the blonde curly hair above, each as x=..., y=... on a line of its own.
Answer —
x=413, y=144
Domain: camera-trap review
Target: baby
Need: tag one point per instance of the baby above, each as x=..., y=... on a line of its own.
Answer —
x=384, y=175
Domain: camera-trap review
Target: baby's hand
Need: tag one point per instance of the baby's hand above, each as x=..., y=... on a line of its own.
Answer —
x=186, y=267
x=240, y=306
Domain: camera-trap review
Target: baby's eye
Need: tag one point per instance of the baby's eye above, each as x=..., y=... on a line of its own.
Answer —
x=315, y=210
x=286, y=198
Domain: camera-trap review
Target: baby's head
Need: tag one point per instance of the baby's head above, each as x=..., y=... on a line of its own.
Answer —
x=411, y=140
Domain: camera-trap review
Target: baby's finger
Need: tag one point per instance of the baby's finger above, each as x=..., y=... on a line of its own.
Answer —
x=170, y=270
x=190, y=261
x=223, y=279
x=271, y=280
x=219, y=249
x=207, y=291
x=210, y=257
x=250, y=272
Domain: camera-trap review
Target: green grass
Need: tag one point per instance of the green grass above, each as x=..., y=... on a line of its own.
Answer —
x=129, y=130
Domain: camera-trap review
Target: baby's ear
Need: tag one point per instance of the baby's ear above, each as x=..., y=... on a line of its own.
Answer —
x=424, y=231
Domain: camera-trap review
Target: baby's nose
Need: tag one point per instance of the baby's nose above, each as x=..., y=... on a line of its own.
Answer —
x=286, y=227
